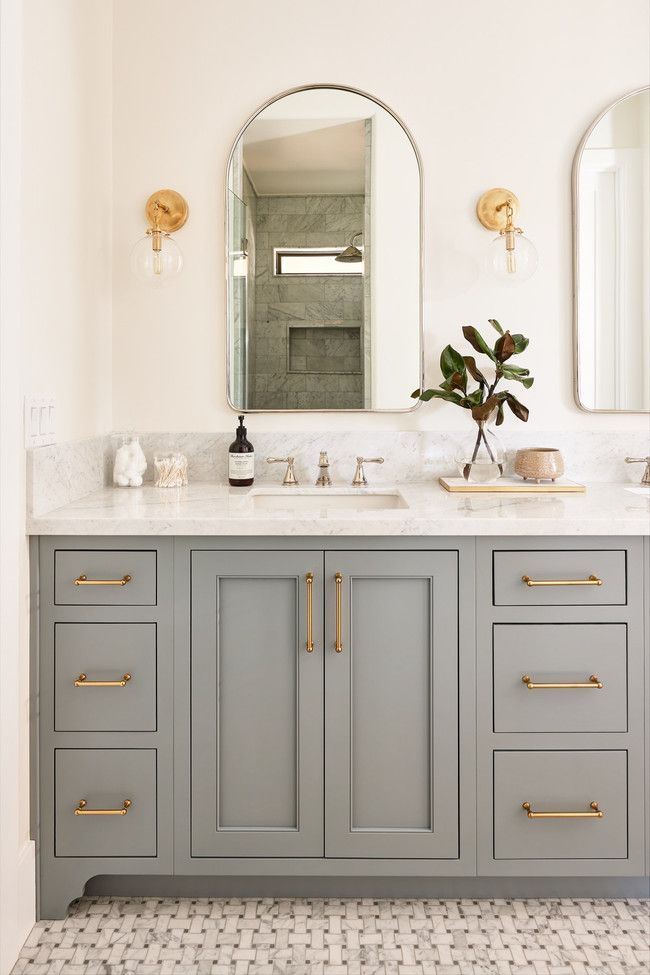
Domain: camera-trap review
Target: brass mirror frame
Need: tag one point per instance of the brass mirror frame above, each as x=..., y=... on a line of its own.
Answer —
x=575, y=188
x=229, y=342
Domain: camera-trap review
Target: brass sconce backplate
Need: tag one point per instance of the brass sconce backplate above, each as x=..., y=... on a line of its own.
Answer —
x=168, y=208
x=487, y=212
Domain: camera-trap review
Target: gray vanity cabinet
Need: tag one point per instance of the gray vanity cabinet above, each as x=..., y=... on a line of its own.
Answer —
x=332, y=715
x=256, y=704
x=391, y=705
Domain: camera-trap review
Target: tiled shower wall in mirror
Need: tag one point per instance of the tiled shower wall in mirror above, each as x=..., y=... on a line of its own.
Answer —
x=308, y=334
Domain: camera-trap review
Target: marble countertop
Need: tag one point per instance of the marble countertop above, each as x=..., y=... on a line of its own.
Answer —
x=427, y=509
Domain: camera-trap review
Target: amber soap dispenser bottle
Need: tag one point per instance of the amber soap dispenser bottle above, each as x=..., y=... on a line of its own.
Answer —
x=241, y=459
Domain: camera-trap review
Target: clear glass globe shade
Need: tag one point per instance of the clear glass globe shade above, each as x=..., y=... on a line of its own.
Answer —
x=514, y=266
x=156, y=267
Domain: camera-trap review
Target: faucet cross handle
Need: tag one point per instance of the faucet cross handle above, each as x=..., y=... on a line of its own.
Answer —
x=359, y=479
x=641, y=460
x=290, y=476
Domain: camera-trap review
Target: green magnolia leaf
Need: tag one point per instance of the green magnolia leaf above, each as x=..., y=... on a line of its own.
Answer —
x=494, y=323
x=476, y=398
x=515, y=370
x=519, y=410
x=504, y=347
x=520, y=343
x=474, y=370
x=451, y=362
x=499, y=420
x=416, y=394
x=477, y=341
x=445, y=394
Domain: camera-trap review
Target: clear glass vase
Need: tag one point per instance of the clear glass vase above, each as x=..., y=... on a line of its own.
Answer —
x=480, y=457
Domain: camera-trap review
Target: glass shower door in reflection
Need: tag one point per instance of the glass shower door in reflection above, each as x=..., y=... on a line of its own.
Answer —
x=239, y=295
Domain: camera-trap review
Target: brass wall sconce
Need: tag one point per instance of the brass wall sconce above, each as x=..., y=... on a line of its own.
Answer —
x=512, y=257
x=157, y=258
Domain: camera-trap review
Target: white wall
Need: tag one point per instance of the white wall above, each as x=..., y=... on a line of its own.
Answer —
x=187, y=75
x=55, y=332
x=67, y=218
x=16, y=849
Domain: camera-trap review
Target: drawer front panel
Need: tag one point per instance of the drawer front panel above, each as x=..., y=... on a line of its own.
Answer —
x=123, y=655
x=573, y=577
x=560, y=781
x=550, y=653
x=104, y=578
x=104, y=779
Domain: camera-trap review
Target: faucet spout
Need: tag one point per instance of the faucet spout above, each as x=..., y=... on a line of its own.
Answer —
x=323, y=479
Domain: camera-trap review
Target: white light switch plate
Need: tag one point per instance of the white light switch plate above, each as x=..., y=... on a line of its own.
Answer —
x=40, y=421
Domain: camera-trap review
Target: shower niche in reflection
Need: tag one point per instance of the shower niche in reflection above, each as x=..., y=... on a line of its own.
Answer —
x=324, y=238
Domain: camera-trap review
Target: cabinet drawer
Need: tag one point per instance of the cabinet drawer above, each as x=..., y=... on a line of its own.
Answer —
x=565, y=653
x=559, y=578
x=104, y=578
x=560, y=781
x=118, y=662
x=104, y=779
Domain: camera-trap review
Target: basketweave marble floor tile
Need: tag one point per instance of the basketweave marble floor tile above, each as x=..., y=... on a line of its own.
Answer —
x=351, y=936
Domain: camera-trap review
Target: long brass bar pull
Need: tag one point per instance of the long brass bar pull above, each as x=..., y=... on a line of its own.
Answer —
x=82, y=681
x=309, y=646
x=595, y=813
x=81, y=809
x=85, y=581
x=338, y=645
x=594, y=682
x=591, y=581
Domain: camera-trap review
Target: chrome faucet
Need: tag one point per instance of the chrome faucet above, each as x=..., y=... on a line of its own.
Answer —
x=359, y=479
x=323, y=479
x=289, y=476
x=641, y=460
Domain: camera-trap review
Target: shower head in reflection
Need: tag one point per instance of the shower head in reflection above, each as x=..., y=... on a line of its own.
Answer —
x=351, y=254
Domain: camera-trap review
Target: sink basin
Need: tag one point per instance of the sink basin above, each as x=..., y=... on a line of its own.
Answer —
x=640, y=489
x=325, y=499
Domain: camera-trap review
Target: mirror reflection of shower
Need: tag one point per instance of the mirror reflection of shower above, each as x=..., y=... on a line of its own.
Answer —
x=351, y=254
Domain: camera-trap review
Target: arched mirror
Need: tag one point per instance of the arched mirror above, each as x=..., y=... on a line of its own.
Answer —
x=611, y=197
x=324, y=256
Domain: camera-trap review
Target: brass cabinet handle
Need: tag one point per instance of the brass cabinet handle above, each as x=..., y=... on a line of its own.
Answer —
x=338, y=646
x=309, y=646
x=595, y=813
x=121, y=811
x=82, y=681
x=85, y=581
x=593, y=682
x=591, y=581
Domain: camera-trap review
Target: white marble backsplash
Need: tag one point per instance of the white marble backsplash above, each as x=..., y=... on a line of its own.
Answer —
x=65, y=472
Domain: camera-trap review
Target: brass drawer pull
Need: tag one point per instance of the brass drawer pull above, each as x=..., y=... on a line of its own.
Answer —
x=591, y=581
x=593, y=682
x=82, y=811
x=82, y=681
x=309, y=646
x=84, y=581
x=338, y=646
x=595, y=813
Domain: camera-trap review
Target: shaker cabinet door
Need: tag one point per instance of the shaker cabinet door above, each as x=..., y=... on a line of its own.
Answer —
x=257, y=704
x=391, y=692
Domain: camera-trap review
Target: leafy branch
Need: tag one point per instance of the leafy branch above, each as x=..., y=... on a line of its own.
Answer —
x=457, y=370
x=484, y=399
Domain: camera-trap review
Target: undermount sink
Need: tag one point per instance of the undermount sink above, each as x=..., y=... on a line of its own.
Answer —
x=325, y=499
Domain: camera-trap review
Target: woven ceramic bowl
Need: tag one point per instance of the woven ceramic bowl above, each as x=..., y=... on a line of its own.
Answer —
x=539, y=464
